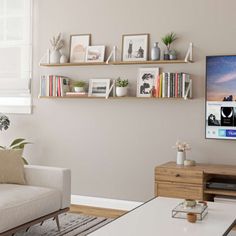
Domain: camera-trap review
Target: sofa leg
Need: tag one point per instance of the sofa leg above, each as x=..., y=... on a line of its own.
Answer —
x=58, y=223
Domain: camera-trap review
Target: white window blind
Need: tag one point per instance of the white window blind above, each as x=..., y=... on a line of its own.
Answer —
x=15, y=55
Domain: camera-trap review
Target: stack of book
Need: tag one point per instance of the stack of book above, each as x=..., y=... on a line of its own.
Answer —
x=173, y=85
x=54, y=86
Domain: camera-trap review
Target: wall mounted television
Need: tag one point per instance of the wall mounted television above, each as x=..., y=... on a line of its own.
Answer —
x=221, y=97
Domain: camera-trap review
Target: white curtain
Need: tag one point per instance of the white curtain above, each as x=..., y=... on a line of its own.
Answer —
x=15, y=55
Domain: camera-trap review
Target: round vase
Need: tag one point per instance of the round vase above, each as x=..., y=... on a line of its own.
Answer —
x=172, y=55
x=155, y=52
x=121, y=91
x=166, y=55
x=63, y=59
x=181, y=157
x=79, y=89
x=55, y=57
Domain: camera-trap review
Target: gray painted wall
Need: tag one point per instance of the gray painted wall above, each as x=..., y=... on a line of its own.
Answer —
x=113, y=146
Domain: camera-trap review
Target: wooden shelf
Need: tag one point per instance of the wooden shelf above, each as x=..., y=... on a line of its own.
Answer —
x=220, y=192
x=117, y=63
x=110, y=98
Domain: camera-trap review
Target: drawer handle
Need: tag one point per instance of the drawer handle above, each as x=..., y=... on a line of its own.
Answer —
x=177, y=175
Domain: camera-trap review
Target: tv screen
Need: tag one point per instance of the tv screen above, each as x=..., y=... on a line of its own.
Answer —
x=221, y=97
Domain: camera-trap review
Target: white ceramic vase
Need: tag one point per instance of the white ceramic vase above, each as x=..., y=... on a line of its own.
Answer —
x=63, y=59
x=121, y=91
x=55, y=57
x=181, y=157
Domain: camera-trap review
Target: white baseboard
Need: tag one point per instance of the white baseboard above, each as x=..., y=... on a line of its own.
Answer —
x=104, y=202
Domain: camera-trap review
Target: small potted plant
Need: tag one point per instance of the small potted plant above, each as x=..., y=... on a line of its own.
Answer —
x=79, y=86
x=168, y=40
x=121, y=87
x=181, y=147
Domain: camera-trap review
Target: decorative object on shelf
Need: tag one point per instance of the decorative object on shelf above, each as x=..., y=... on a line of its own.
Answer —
x=99, y=87
x=189, y=163
x=121, y=87
x=4, y=122
x=95, y=54
x=135, y=47
x=191, y=217
x=79, y=86
x=168, y=40
x=173, y=55
x=147, y=81
x=112, y=55
x=181, y=147
x=78, y=47
x=63, y=59
x=57, y=44
x=155, y=52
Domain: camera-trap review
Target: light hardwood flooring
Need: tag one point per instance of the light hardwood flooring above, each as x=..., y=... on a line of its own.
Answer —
x=96, y=211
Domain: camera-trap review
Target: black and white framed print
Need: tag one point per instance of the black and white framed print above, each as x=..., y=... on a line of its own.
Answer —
x=99, y=87
x=147, y=81
x=135, y=47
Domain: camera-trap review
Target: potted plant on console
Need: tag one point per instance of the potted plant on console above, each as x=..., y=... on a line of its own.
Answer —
x=122, y=87
x=181, y=147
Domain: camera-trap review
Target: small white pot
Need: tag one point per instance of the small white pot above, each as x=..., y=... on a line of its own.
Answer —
x=63, y=59
x=79, y=89
x=181, y=157
x=121, y=91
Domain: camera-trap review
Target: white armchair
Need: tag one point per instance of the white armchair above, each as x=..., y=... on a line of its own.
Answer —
x=46, y=194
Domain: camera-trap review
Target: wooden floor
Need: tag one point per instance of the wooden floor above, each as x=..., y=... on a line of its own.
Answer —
x=96, y=211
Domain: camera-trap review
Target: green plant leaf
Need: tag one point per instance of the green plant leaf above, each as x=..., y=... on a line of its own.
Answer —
x=17, y=141
x=25, y=161
x=21, y=145
x=2, y=147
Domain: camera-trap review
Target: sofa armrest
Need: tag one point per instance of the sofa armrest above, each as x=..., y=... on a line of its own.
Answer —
x=50, y=177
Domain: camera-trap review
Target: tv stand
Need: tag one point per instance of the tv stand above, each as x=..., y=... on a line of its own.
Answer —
x=176, y=181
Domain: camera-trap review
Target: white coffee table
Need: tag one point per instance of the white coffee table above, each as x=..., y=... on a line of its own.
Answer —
x=154, y=218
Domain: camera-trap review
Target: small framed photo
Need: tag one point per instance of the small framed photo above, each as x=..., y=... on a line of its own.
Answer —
x=95, y=54
x=147, y=81
x=78, y=47
x=135, y=47
x=99, y=87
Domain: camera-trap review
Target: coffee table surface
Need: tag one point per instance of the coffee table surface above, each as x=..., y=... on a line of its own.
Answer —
x=154, y=218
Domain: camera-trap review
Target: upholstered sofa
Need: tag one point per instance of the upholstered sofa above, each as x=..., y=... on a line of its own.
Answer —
x=46, y=194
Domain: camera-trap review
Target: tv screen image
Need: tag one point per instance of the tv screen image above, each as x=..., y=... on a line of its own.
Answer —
x=221, y=97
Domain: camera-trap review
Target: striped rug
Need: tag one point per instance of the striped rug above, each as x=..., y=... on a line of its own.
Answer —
x=71, y=225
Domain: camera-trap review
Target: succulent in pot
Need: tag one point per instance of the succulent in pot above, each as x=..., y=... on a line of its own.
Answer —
x=79, y=86
x=121, y=87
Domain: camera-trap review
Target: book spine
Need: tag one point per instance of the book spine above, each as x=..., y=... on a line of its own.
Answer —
x=160, y=88
x=183, y=84
x=163, y=85
x=176, y=85
x=157, y=86
x=168, y=85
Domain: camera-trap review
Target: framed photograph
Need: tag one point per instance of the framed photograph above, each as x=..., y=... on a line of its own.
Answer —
x=135, y=47
x=99, y=87
x=95, y=54
x=147, y=81
x=78, y=47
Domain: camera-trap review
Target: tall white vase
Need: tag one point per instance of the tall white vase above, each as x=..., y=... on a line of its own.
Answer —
x=181, y=157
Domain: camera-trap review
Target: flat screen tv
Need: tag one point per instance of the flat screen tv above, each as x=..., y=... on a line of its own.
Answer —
x=221, y=97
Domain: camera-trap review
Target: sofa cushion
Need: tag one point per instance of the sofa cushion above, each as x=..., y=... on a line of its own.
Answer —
x=11, y=167
x=20, y=204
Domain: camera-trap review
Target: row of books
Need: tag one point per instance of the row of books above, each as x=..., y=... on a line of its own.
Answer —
x=54, y=86
x=173, y=85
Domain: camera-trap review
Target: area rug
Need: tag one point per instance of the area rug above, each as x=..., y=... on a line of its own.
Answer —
x=71, y=225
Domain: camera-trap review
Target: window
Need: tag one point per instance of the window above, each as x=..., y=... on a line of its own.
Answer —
x=15, y=55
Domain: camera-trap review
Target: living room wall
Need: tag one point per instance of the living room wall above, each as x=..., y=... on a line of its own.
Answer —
x=112, y=146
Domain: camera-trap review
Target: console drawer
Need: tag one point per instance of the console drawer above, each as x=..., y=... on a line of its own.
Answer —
x=175, y=190
x=179, y=175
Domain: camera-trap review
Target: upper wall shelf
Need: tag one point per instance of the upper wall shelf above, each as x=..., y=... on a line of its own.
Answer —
x=117, y=63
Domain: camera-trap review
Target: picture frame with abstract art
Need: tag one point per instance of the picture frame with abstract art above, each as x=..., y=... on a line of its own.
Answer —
x=135, y=47
x=78, y=47
x=95, y=54
x=220, y=115
x=98, y=87
x=147, y=81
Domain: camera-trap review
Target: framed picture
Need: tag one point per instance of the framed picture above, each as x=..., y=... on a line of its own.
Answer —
x=99, y=87
x=95, y=54
x=147, y=81
x=135, y=47
x=78, y=47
